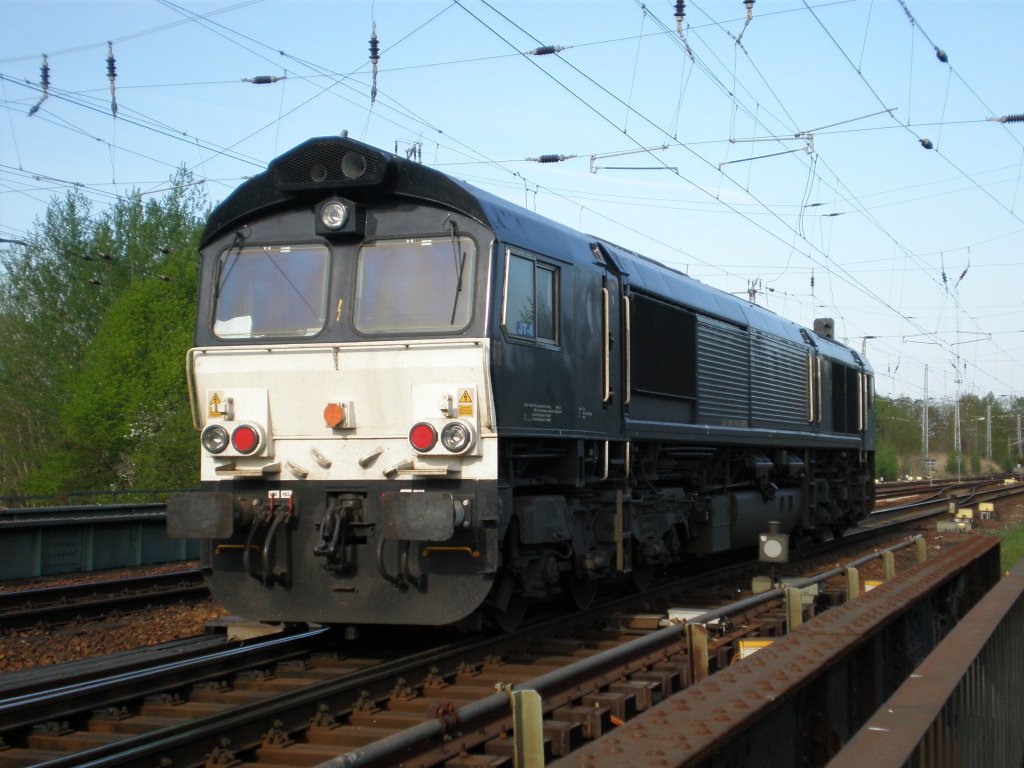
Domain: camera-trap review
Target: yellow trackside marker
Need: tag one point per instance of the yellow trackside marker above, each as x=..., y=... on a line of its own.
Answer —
x=527, y=729
x=750, y=646
x=465, y=402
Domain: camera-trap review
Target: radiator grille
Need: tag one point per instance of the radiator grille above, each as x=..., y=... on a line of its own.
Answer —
x=779, y=383
x=723, y=373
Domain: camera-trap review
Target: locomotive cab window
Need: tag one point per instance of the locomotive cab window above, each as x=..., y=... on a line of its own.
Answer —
x=531, y=299
x=418, y=285
x=272, y=290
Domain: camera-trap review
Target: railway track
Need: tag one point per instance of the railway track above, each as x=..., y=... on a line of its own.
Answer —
x=334, y=697
x=56, y=605
x=53, y=606
x=304, y=698
x=938, y=503
x=901, y=487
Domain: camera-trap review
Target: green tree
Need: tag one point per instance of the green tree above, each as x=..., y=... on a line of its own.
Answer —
x=127, y=418
x=95, y=307
x=955, y=465
x=886, y=462
x=975, y=463
x=48, y=312
x=897, y=436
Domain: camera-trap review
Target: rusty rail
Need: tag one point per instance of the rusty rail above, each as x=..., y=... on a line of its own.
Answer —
x=798, y=701
x=492, y=715
x=867, y=648
x=963, y=706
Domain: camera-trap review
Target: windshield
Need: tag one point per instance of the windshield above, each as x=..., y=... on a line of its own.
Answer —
x=271, y=290
x=415, y=286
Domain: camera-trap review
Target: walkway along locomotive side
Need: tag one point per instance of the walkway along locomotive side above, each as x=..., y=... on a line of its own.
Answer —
x=418, y=401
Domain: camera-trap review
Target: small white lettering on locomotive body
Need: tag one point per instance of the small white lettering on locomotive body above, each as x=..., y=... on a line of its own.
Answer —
x=540, y=413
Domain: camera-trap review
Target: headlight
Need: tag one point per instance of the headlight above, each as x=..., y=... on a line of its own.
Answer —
x=214, y=438
x=456, y=437
x=334, y=215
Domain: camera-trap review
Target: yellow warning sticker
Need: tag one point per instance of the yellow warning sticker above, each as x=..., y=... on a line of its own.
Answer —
x=465, y=402
x=215, y=402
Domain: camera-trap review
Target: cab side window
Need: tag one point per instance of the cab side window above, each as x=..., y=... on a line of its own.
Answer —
x=531, y=299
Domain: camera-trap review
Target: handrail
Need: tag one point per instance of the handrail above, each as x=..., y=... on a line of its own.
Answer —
x=860, y=401
x=810, y=387
x=193, y=395
x=629, y=351
x=962, y=705
x=607, y=347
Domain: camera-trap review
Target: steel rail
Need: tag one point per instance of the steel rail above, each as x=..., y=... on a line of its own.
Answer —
x=776, y=703
x=246, y=726
x=38, y=679
x=932, y=508
x=43, y=595
x=895, y=487
x=26, y=709
x=66, y=602
x=398, y=748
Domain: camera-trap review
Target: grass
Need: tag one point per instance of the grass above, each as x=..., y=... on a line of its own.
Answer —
x=1011, y=548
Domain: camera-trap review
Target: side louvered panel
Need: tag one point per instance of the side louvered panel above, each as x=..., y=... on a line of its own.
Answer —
x=778, y=383
x=723, y=374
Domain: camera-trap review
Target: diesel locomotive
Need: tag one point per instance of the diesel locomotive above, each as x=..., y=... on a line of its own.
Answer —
x=418, y=404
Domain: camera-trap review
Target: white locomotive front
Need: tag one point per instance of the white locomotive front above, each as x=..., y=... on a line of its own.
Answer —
x=344, y=474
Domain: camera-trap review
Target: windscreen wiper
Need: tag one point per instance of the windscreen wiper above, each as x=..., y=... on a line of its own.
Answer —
x=460, y=265
x=220, y=279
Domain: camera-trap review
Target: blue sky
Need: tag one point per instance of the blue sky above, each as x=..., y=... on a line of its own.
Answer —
x=835, y=210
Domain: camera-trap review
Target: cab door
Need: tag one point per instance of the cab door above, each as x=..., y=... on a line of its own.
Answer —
x=601, y=340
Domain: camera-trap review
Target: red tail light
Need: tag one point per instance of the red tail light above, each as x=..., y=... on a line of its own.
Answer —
x=423, y=436
x=245, y=438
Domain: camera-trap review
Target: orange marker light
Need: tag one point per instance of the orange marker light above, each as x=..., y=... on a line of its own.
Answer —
x=334, y=415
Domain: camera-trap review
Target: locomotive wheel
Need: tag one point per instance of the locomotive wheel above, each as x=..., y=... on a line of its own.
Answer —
x=581, y=592
x=507, y=605
x=509, y=619
x=642, y=576
x=840, y=529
